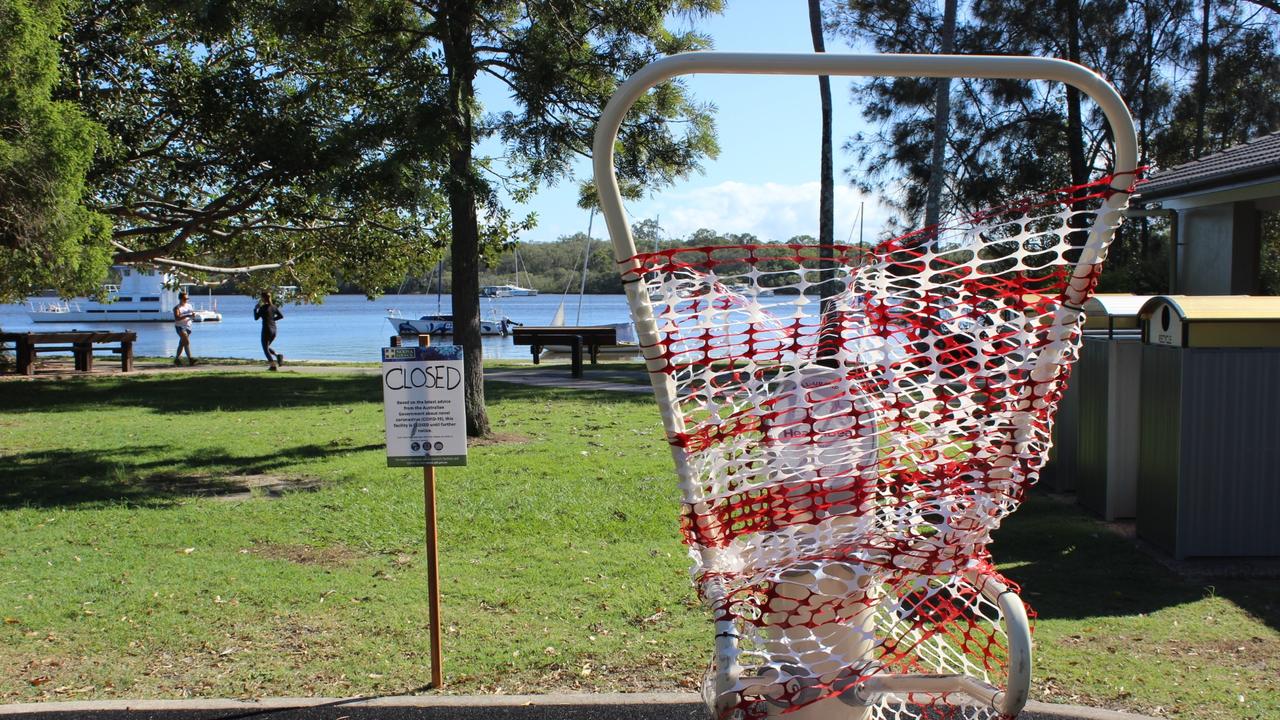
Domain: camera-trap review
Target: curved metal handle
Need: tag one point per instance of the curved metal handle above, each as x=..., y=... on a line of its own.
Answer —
x=977, y=66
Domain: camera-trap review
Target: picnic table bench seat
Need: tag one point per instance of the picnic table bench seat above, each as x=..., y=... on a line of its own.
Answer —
x=81, y=345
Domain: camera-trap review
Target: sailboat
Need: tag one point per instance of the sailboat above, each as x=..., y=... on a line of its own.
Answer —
x=514, y=289
x=628, y=342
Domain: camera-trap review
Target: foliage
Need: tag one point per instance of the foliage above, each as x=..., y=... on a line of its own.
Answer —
x=1270, y=261
x=48, y=238
x=278, y=137
x=1242, y=68
x=1009, y=137
x=559, y=63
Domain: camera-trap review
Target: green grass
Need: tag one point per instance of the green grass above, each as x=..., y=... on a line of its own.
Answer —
x=132, y=565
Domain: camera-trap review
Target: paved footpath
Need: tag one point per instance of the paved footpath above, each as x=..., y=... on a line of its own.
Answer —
x=638, y=706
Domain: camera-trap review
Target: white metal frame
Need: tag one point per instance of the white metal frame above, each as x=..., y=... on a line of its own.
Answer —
x=1010, y=700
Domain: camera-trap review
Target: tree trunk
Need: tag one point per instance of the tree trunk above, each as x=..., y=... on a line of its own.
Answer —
x=826, y=199
x=457, y=16
x=1075, y=124
x=941, y=122
x=1202, y=82
x=829, y=339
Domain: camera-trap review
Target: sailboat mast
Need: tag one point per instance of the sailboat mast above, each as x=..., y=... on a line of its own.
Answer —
x=586, y=258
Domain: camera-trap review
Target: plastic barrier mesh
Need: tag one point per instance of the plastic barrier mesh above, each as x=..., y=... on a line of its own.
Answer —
x=851, y=430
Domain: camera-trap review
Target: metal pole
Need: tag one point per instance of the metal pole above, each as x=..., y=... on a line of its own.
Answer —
x=433, y=563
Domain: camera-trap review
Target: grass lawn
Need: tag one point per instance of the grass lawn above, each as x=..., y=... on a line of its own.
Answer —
x=238, y=534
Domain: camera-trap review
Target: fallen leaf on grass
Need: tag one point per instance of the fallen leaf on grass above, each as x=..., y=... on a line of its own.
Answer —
x=38, y=681
x=185, y=551
x=11, y=621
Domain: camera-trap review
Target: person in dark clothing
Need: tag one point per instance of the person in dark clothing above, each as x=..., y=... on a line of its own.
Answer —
x=268, y=313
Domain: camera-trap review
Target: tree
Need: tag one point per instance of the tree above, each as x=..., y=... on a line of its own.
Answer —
x=293, y=140
x=559, y=62
x=48, y=238
x=941, y=121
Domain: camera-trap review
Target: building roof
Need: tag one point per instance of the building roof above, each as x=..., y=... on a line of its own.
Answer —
x=1254, y=160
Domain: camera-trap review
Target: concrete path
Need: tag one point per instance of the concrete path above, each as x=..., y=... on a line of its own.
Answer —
x=638, y=706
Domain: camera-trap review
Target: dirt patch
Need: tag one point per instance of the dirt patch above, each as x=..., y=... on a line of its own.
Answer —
x=306, y=554
x=499, y=439
x=231, y=487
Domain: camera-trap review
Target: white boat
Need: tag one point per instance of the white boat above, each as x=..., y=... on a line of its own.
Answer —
x=507, y=291
x=512, y=289
x=443, y=324
x=140, y=295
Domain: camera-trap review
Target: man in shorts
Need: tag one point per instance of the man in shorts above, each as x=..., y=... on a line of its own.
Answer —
x=182, y=315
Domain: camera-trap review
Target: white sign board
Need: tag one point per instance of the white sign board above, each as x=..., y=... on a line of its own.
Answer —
x=424, y=406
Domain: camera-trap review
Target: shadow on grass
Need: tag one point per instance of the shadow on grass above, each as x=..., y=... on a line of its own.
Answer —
x=511, y=392
x=68, y=478
x=191, y=393
x=1071, y=566
x=235, y=392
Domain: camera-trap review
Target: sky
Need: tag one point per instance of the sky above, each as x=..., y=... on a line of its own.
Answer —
x=765, y=180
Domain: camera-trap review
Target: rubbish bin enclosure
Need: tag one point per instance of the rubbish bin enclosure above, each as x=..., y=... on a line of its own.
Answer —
x=1209, y=447
x=1106, y=385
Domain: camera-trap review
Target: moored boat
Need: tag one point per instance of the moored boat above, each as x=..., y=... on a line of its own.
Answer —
x=139, y=295
x=443, y=324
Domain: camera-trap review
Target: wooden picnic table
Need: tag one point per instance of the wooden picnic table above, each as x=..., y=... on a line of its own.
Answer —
x=81, y=344
x=574, y=337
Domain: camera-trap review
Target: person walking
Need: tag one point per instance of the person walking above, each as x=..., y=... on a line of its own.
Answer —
x=182, y=315
x=268, y=313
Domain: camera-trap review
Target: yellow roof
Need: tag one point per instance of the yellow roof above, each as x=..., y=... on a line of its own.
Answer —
x=1217, y=307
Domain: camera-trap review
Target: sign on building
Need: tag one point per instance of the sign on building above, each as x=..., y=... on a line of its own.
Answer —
x=424, y=406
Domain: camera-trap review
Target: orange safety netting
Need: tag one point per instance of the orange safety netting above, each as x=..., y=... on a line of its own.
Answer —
x=850, y=429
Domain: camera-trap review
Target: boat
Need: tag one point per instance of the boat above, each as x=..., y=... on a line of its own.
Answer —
x=628, y=343
x=625, y=332
x=512, y=289
x=493, y=291
x=139, y=295
x=443, y=324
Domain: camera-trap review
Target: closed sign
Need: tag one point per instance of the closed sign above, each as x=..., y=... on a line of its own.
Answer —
x=424, y=407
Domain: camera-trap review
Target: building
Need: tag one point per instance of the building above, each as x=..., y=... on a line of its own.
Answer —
x=1216, y=204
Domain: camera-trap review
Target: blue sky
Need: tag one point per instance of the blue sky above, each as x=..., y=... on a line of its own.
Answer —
x=765, y=180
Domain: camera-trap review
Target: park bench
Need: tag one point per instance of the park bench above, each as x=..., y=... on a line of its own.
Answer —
x=81, y=345
x=575, y=338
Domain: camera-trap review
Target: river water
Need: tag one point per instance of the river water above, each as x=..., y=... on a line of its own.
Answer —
x=343, y=327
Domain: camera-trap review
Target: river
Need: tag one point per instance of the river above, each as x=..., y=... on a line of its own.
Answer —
x=343, y=327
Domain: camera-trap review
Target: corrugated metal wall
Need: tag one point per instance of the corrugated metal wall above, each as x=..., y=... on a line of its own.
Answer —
x=1230, y=480
x=1160, y=444
x=1091, y=453
x=1060, y=474
x=1209, y=470
x=1107, y=468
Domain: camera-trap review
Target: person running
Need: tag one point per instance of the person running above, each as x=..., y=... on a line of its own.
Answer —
x=268, y=313
x=182, y=315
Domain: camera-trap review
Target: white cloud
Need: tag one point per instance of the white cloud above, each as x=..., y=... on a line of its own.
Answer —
x=770, y=211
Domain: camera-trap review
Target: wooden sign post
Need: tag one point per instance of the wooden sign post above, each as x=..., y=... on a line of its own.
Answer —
x=426, y=426
x=433, y=562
